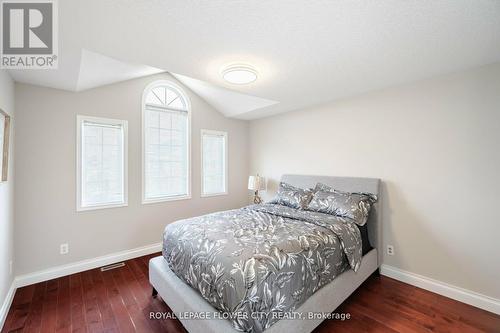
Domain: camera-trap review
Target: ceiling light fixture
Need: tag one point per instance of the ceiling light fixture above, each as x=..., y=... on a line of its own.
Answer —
x=239, y=74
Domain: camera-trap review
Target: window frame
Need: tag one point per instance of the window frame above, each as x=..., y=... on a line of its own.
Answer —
x=108, y=121
x=226, y=163
x=5, y=146
x=181, y=92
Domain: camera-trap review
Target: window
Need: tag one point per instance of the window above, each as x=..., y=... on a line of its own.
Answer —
x=101, y=163
x=214, y=163
x=166, y=151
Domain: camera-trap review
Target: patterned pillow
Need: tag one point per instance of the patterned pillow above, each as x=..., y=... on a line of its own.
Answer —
x=291, y=196
x=353, y=205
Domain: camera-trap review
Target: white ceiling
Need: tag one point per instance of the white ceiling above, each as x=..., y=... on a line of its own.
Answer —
x=98, y=70
x=82, y=69
x=230, y=103
x=307, y=52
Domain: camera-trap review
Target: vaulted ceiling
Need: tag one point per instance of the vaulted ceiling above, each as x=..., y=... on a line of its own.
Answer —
x=306, y=52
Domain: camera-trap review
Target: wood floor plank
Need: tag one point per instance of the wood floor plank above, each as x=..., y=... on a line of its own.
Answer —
x=121, y=315
x=63, y=306
x=92, y=315
x=19, y=311
x=141, y=296
x=120, y=301
x=49, y=309
x=106, y=312
x=458, y=311
x=78, y=320
x=361, y=323
x=140, y=322
x=34, y=320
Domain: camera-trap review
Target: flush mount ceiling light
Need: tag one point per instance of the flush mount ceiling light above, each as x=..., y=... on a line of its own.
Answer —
x=239, y=74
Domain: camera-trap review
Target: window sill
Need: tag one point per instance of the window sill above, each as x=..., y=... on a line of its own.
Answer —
x=213, y=195
x=167, y=199
x=84, y=209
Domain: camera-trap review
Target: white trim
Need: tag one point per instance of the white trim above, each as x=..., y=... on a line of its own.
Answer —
x=181, y=92
x=166, y=199
x=4, y=310
x=226, y=159
x=98, y=207
x=124, y=124
x=163, y=108
x=213, y=194
x=80, y=266
x=460, y=294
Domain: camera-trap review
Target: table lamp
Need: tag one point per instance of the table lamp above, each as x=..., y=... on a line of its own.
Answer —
x=256, y=183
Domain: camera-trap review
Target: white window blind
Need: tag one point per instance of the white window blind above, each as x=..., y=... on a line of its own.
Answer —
x=102, y=162
x=166, y=144
x=214, y=162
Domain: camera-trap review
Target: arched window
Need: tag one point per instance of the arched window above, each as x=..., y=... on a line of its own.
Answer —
x=166, y=145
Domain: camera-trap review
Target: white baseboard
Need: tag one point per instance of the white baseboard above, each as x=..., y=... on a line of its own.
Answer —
x=4, y=310
x=80, y=266
x=460, y=294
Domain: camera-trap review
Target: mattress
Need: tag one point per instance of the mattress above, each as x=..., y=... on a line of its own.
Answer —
x=262, y=259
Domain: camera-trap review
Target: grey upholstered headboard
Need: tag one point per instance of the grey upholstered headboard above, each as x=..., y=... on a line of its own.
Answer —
x=350, y=184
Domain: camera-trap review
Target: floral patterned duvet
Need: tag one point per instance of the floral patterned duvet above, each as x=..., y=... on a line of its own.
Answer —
x=264, y=260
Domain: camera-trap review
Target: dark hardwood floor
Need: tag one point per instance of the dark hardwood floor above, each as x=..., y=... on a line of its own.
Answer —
x=120, y=301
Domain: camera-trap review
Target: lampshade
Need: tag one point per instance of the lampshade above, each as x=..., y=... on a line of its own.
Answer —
x=256, y=183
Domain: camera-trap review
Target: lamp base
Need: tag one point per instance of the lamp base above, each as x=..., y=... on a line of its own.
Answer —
x=256, y=198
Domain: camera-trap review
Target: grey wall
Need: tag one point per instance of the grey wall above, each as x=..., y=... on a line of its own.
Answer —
x=436, y=146
x=45, y=194
x=7, y=193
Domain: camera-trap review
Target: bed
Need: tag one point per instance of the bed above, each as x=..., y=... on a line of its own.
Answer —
x=327, y=288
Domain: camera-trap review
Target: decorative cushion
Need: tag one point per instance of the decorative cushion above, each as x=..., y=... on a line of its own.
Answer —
x=291, y=196
x=352, y=205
